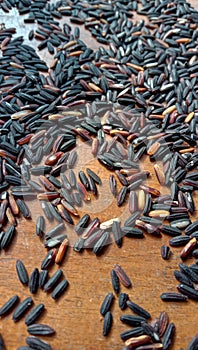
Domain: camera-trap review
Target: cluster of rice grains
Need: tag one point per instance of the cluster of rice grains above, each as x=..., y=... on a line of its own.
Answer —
x=137, y=96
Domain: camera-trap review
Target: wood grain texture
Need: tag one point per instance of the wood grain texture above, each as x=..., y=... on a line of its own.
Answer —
x=76, y=316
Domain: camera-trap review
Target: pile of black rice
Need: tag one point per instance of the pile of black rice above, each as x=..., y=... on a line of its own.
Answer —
x=134, y=96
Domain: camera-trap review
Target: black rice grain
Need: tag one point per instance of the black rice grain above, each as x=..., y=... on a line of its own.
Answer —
x=94, y=176
x=22, y=308
x=134, y=332
x=165, y=252
x=49, y=259
x=138, y=309
x=7, y=237
x=9, y=305
x=60, y=289
x=168, y=296
x=117, y=233
x=34, y=314
x=40, y=226
x=34, y=281
x=124, y=279
x=190, y=292
x=168, y=336
x=108, y=320
x=40, y=329
x=115, y=282
x=53, y=281
x=22, y=272
x=101, y=243
x=123, y=298
x=133, y=321
x=106, y=304
x=37, y=344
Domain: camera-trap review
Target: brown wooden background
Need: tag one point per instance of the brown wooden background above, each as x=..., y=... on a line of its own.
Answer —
x=76, y=316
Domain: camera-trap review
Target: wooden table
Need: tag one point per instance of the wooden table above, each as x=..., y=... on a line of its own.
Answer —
x=76, y=316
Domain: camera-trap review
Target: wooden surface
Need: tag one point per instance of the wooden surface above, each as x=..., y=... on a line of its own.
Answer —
x=76, y=316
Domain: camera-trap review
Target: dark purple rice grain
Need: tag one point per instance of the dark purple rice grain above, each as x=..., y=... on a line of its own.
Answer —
x=84, y=180
x=34, y=314
x=170, y=231
x=133, y=186
x=65, y=215
x=23, y=208
x=8, y=306
x=133, y=321
x=190, y=292
x=179, y=241
x=181, y=223
x=94, y=176
x=54, y=212
x=79, y=245
x=176, y=297
x=60, y=289
x=133, y=202
x=117, y=233
x=108, y=320
x=106, y=304
x=124, y=279
x=72, y=159
x=165, y=252
x=188, y=271
x=168, y=336
x=113, y=185
x=132, y=232
x=121, y=196
x=22, y=272
x=65, y=182
x=151, y=220
x=55, y=231
x=92, y=186
x=182, y=278
x=72, y=179
x=7, y=237
x=34, y=281
x=49, y=259
x=54, y=181
x=22, y=308
x=138, y=309
x=93, y=238
x=150, y=331
x=115, y=282
x=40, y=226
x=191, y=228
x=40, y=329
x=101, y=243
x=40, y=170
x=90, y=228
x=121, y=178
x=77, y=199
x=123, y=298
x=49, y=285
x=162, y=323
x=135, y=332
x=132, y=219
x=37, y=344
x=55, y=242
